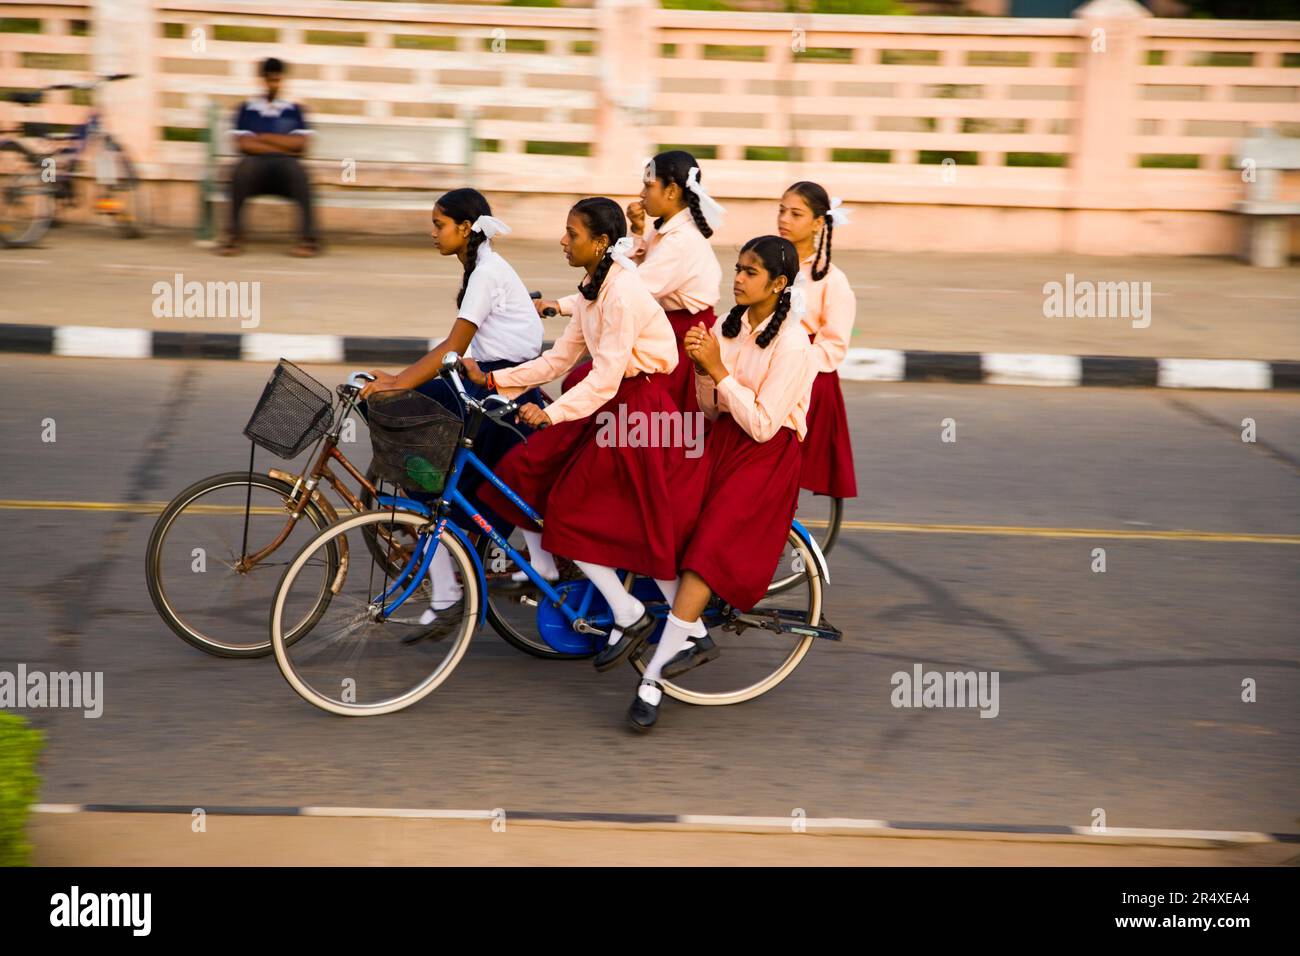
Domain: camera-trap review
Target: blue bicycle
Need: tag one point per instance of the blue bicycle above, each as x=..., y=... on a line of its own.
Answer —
x=385, y=636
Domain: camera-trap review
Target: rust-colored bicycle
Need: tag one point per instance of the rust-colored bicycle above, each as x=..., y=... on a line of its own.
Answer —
x=219, y=547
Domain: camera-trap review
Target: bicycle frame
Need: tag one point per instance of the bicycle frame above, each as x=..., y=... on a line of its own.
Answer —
x=452, y=498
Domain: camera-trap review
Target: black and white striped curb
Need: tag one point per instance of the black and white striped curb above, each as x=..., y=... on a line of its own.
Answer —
x=860, y=365
x=718, y=822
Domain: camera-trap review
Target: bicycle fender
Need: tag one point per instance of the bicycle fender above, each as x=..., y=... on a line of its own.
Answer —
x=823, y=568
x=387, y=502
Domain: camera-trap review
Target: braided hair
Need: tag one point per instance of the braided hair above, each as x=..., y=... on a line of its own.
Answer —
x=820, y=204
x=602, y=217
x=466, y=205
x=674, y=166
x=779, y=258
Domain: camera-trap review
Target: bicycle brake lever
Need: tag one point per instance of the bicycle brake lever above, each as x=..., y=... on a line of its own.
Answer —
x=498, y=415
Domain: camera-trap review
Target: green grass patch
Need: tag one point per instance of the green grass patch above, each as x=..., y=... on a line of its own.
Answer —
x=334, y=38
x=542, y=147
x=19, y=783
x=778, y=154
x=414, y=41
x=935, y=157
x=20, y=25
x=1169, y=161
x=237, y=34
x=1035, y=159
x=862, y=156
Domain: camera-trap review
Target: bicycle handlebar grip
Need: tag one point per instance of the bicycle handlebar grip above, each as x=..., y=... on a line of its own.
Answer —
x=119, y=76
x=548, y=312
x=358, y=379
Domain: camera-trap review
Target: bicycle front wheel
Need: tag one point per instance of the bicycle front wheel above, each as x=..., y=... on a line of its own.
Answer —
x=26, y=201
x=117, y=192
x=373, y=651
x=755, y=659
x=196, y=563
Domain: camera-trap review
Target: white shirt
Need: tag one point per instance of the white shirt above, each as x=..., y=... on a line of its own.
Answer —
x=497, y=301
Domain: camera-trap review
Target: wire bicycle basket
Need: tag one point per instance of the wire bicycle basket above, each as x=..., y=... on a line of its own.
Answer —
x=414, y=440
x=294, y=411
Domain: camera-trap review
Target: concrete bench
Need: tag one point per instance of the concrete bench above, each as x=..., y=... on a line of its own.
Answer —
x=355, y=165
x=1267, y=155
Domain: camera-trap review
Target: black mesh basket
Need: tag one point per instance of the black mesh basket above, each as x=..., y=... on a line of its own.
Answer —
x=294, y=411
x=414, y=440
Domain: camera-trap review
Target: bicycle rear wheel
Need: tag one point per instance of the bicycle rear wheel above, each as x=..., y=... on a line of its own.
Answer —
x=26, y=202
x=756, y=659
x=369, y=653
x=191, y=562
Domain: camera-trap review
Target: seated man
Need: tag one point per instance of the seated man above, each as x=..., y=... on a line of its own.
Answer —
x=272, y=134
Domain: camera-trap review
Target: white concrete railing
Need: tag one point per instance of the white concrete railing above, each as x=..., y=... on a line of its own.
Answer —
x=1087, y=113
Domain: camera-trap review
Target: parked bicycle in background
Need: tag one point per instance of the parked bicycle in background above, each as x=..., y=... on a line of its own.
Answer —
x=36, y=182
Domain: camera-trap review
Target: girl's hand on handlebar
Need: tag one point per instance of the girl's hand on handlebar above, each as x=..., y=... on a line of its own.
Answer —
x=547, y=307
x=530, y=414
x=383, y=383
x=473, y=372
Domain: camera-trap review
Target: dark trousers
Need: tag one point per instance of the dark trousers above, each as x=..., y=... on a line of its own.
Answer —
x=491, y=442
x=274, y=174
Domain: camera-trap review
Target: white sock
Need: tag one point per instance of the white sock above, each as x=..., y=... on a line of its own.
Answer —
x=627, y=609
x=675, y=637
x=649, y=693
x=446, y=589
x=670, y=592
x=541, y=559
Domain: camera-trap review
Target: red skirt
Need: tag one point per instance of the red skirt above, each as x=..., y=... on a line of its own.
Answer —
x=750, y=495
x=602, y=501
x=827, y=451
x=681, y=380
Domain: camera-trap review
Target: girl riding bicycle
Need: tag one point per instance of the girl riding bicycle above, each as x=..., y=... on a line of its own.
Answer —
x=603, y=502
x=496, y=324
x=753, y=378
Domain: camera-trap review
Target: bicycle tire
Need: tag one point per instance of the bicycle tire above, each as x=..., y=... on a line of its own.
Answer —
x=757, y=688
x=153, y=561
x=39, y=223
x=462, y=558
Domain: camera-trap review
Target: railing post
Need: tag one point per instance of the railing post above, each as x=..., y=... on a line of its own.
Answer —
x=1104, y=133
x=625, y=39
x=122, y=41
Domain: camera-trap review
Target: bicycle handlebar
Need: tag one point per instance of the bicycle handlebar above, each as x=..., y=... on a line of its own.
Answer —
x=494, y=407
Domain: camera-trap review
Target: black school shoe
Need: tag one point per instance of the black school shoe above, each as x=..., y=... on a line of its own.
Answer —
x=642, y=716
x=699, y=651
x=443, y=625
x=611, y=655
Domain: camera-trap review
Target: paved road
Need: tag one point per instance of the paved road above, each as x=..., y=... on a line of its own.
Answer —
x=1118, y=690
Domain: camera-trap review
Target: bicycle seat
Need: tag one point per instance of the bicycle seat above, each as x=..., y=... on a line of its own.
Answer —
x=26, y=98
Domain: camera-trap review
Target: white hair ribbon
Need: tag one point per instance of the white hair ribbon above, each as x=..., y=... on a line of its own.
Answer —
x=490, y=226
x=839, y=215
x=619, y=250
x=708, y=205
x=647, y=167
x=798, y=301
